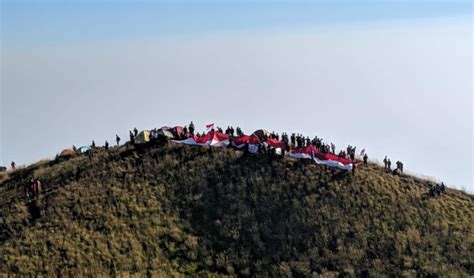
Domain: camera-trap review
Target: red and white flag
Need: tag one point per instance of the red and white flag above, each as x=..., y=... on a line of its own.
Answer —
x=212, y=138
x=210, y=126
x=327, y=159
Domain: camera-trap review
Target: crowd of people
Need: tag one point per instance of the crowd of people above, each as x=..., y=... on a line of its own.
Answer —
x=437, y=189
x=295, y=140
x=388, y=166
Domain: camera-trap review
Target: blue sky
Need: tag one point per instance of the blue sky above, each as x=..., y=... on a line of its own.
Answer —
x=26, y=23
x=394, y=78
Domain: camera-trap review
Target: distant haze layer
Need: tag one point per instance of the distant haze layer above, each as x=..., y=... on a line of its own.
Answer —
x=402, y=89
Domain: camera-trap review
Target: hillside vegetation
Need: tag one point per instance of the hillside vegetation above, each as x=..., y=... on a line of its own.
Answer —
x=189, y=211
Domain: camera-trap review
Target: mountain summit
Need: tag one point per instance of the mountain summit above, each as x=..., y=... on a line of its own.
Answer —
x=175, y=210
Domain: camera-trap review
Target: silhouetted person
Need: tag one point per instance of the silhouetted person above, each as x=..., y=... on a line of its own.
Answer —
x=13, y=164
x=191, y=128
x=132, y=137
x=389, y=164
x=352, y=156
x=135, y=132
x=106, y=145
x=385, y=162
x=35, y=187
x=239, y=131
x=442, y=188
x=185, y=131
x=366, y=157
x=74, y=148
x=93, y=144
x=117, y=138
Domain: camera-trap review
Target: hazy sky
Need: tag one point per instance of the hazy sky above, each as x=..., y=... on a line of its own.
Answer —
x=393, y=78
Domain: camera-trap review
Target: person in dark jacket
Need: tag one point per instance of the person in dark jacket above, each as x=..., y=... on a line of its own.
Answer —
x=191, y=128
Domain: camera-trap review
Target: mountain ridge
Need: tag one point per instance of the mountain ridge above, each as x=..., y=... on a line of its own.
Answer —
x=172, y=210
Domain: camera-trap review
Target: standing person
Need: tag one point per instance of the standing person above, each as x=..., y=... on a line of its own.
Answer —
x=135, y=132
x=185, y=131
x=106, y=145
x=239, y=132
x=13, y=164
x=191, y=128
x=352, y=156
x=117, y=138
x=366, y=157
x=389, y=164
x=401, y=167
x=132, y=137
x=293, y=140
x=385, y=162
x=93, y=144
x=34, y=188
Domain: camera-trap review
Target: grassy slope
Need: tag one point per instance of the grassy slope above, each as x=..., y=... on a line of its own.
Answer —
x=178, y=210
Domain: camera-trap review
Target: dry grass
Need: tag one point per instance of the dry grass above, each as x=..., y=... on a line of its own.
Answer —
x=182, y=211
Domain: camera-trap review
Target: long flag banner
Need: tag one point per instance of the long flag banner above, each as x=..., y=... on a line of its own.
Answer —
x=239, y=142
x=218, y=139
x=212, y=138
x=311, y=152
x=274, y=143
